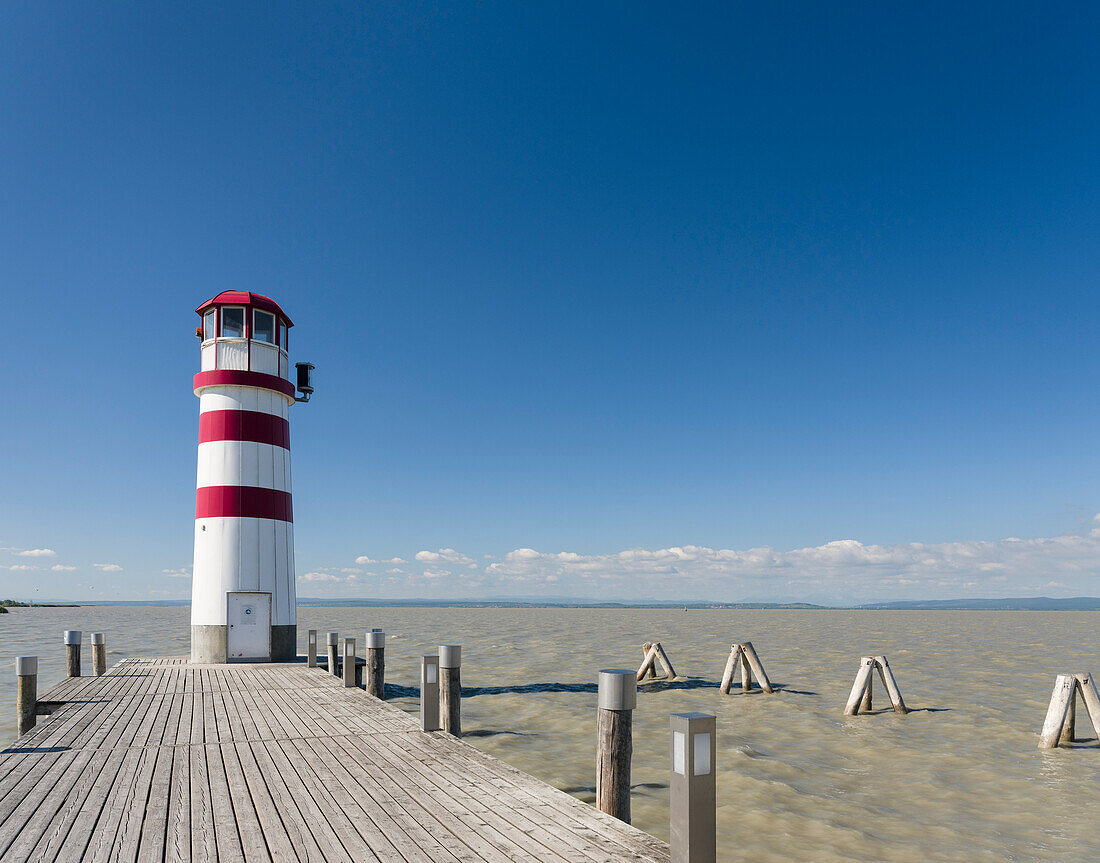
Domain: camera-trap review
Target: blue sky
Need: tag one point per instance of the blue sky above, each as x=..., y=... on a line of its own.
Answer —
x=741, y=301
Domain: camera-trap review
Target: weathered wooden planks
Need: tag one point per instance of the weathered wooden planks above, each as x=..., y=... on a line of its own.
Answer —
x=159, y=760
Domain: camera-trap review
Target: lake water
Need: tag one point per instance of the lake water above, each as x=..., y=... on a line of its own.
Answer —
x=958, y=779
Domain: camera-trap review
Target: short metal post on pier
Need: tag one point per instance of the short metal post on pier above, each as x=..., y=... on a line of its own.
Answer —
x=349, y=663
x=333, y=650
x=618, y=696
x=450, y=688
x=429, y=692
x=72, y=652
x=311, y=649
x=375, y=677
x=99, y=653
x=692, y=794
x=26, y=693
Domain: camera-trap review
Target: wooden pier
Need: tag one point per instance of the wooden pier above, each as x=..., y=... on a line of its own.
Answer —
x=162, y=760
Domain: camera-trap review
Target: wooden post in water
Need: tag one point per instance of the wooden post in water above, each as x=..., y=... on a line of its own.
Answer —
x=743, y=656
x=429, y=692
x=1087, y=689
x=863, y=681
x=654, y=653
x=99, y=653
x=349, y=663
x=1069, y=731
x=1065, y=687
x=618, y=696
x=692, y=789
x=887, y=675
x=859, y=701
x=311, y=649
x=450, y=688
x=72, y=652
x=375, y=677
x=26, y=692
x=333, y=651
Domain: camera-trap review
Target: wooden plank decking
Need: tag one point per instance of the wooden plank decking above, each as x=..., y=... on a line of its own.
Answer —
x=162, y=760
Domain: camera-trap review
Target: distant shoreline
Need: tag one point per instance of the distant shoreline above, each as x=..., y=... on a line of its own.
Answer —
x=1035, y=603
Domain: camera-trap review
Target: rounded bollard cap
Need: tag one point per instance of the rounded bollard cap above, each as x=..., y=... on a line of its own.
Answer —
x=99, y=638
x=618, y=689
x=72, y=636
x=450, y=656
x=376, y=640
x=26, y=666
x=334, y=638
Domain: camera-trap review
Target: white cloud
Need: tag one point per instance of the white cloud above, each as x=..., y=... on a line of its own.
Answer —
x=436, y=573
x=37, y=552
x=58, y=567
x=182, y=572
x=844, y=570
x=367, y=561
x=444, y=555
x=20, y=567
x=107, y=567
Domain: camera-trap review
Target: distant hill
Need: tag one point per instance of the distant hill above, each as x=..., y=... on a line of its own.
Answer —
x=1023, y=603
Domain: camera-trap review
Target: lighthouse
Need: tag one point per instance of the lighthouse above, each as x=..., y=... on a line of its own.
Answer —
x=243, y=605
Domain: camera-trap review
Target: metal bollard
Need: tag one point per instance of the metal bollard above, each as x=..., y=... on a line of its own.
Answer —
x=349, y=663
x=26, y=692
x=429, y=692
x=692, y=800
x=72, y=652
x=375, y=678
x=311, y=649
x=99, y=653
x=618, y=696
x=450, y=688
x=333, y=650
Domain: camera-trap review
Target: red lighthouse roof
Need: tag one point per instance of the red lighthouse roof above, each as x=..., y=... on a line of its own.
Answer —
x=245, y=298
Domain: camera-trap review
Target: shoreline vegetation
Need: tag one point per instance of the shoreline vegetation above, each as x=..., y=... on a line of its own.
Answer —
x=1033, y=603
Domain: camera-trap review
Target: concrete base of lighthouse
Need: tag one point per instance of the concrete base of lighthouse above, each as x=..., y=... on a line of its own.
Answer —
x=209, y=643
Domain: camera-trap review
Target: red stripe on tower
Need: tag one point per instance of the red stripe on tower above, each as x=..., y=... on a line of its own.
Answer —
x=244, y=379
x=253, y=426
x=243, y=501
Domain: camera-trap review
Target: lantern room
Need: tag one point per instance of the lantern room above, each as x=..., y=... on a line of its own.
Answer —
x=243, y=331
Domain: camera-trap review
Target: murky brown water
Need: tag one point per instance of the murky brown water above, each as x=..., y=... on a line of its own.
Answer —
x=959, y=779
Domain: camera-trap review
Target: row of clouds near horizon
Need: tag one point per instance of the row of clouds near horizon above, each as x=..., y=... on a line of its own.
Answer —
x=837, y=572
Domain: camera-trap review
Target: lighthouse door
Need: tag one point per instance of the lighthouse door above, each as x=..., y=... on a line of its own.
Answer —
x=248, y=634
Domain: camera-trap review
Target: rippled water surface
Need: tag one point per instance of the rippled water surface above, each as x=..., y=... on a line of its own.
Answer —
x=959, y=779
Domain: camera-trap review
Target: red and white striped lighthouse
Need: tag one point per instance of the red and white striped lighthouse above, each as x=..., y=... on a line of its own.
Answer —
x=242, y=602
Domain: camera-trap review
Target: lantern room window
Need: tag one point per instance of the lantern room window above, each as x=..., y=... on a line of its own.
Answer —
x=232, y=323
x=263, y=326
x=282, y=334
x=209, y=324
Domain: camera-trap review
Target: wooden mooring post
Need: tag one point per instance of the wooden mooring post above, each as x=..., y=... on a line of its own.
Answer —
x=743, y=656
x=99, y=653
x=375, y=676
x=450, y=688
x=1058, y=727
x=26, y=692
x=72, y=652
x=859, y=700
x=692, y=788
x=618, y=696
x=652, y=653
